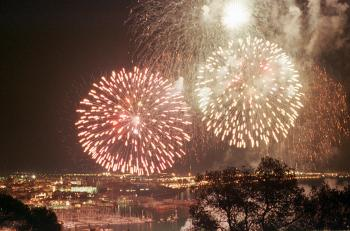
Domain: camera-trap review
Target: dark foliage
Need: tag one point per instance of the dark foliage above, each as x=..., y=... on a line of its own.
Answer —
x=202, y=220
x=267, y=198
x=277, y=195
x=226, y=193
x=328, y=209
x=43, y=219
x=15, y=214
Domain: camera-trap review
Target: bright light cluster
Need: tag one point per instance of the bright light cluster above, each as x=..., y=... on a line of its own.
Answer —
x=133, y=122
x=249, y=93
x=235, y=14
x=173, y=37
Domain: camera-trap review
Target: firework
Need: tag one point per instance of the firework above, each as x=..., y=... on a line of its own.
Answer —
x=133, y=122
x=249, y=93
x=175, y=36
x=235, y=14
x=323, y=122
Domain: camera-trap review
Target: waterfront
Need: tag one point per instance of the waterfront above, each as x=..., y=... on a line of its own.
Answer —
x=118, y=218
x=123, y=202
x=152, y=226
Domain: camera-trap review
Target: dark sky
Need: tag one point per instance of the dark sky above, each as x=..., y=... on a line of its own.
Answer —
x=51, y=52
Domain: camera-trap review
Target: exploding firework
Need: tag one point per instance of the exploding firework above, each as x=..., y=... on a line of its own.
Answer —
x=323, y=122
x=175, y=36
x=133, y=122
x=249, y=93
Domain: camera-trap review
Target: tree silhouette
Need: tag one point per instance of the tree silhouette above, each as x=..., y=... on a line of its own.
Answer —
x=265, y=199
x=277, y=195
x=203, y=220
x=328, y=208
x=43, y=219
x=15, y=214
x=223, y=200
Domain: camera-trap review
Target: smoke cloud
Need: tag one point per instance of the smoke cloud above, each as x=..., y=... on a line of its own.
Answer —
x=312, y=28
x=326, y=26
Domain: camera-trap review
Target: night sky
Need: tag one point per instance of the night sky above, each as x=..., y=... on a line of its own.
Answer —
x=51, y=52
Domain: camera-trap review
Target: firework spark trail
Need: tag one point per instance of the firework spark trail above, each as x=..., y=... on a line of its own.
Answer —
x=249, y=93
x=174, y=37
x=323, y=122
x=133, y=122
